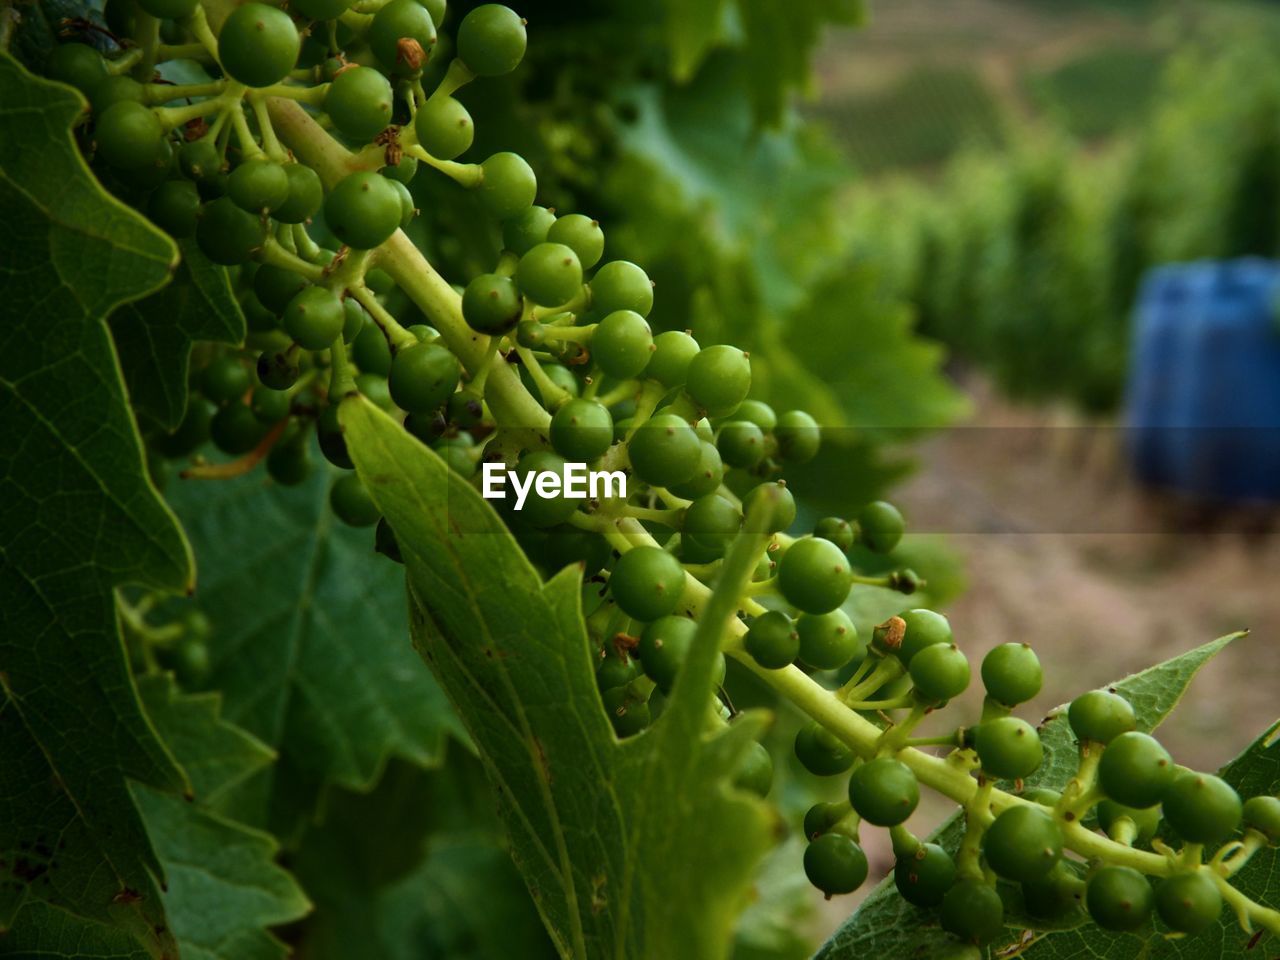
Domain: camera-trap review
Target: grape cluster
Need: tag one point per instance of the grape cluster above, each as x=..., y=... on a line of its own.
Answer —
x=547, y=358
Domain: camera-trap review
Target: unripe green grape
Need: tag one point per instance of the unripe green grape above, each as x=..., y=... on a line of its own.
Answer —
x=224, y=379
x=1008, y=747
x=358, y=102
x=269, y=406
x=923, y=628
x=128, y=136
x=706, y=477
x=741, y=444
x=1145, y=822
x=332, y=443
x=526, y=230
x=664, y=644
x=580, y=234
x=759, y=413
x=258, y=45
x=408, y=209
x=258, y=185
x=1263, y=814
x=321, y=9
x=375, y=389
x=1189, y=902
x=458, y=455
x=491, y=303
x=289, y=463
x=814, y=576
x=821, y=752
x=835, y=864
x=664, y=450
x=669, y=361
x=939, y=672
x=828, y=641
x=445, y=130
x=539, y=510
x=781, y=512
x=257, y=318
x=363, y=210
x=279, y=371
x=228, y=235
x=1135, y=770
x=972, y=910
x=755, y=771
x=772, y=640
x=76, y=64
x=275, y=287
x=1202, y=808
x=621, y=285
x=436, y=8
x=628, y=713
x=1118, y=898
x=371, y=351
x=113, y=90
x=1011, y=673
x=168, y=9
x=354, y=319
x=404, y=171
x=718, y=379
x=174, y=207
x=314, y=318
x=395, y=21
x=423, y=377
x=121, y=16
x=821, y=817
x=491, y=40
x=884, y=791
x=613, y=671
x=622, y=344
x=581, y=430
x=880, y=525
x=199, y=159
x=798, y=436
x=235, y=430
x=351, y=502
x=836, y=530
x=1023, y=844
x=550, y=274
x=647, y=583
x=924, y=877
x=1100, y=716
x=306, y=194
x=465, y=409
x=507, y=184
x=711, y=523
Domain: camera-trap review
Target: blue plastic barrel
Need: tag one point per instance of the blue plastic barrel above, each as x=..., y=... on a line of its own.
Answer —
x=1203, y=406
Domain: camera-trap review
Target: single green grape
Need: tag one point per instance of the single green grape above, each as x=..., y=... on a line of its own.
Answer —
x=1008, y=747
x=1055, y=896
x=491, y=303
x=718, y=379
x=526, y=230
x=1263, y=814
x=289, y=463
x=1100, y=716
x=77, y=64
x=1135, y=770
x=258, y=44
x=279, y=371
x=1011, y=673
x=371, y=351
x=580, y=234
x=821, y=752
x=550, y=274
x=669, y=361
x=224, y=379
x=821, y=817
x=621, y=285
x=306, y=195
x=507, y=185
x=314, y=318
x=939, y=672
x=814, y=576
x=835, y=864
x=622, y=344
x=358, y=102
x=1023, y=843
x=258, y=185
x=332, y=443
x=880, y=526
x=269, y=406
x=235, y=430
x=363, y=210
x=838, y=531
x=445, y=129
x=665, y=450
x=491, y=40
x=539, y=510
x=228, y=235
x=1189, y=902
x=1202, y=808
x=1118, y=898
x=780, y=512
x=798, y=436
x=581, y=430
x=276, y=287
x=128, y=136
x=199, y=159
x=628, y=714
x=396, y=23
x=972, y=910
x=884, y=791
x=741, y=444
x=829, y=640
x=174, y=207
x=711, y=523
x=755, y=771
x=924, y=628
x=924, y=877
x=706, y=476
x=647, y=583
x=614, y=671
x=772, y=640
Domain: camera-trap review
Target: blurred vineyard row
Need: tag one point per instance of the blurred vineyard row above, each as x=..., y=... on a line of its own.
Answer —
x=1024, y=251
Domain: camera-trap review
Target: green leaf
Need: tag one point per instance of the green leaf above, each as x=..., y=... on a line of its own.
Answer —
x=606, y=833
x=154, y=336
x=886, y=925
x=309, y=642
x=692, y=27
x=78, y=518
x=416, y=870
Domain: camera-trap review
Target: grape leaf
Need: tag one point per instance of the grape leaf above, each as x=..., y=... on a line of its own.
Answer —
x=224, y=888
x=416, y=870
x=154, y=336
x=309, y=642
x=636, y=848
x=78, y=517
x=886, y=925
x=691, y=31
